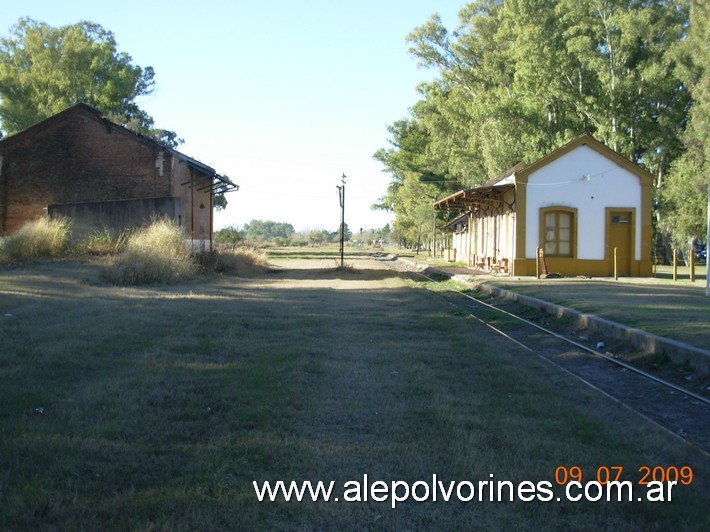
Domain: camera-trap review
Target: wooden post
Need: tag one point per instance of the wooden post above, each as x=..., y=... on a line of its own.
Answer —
x=537, y=262
x=675, y=264
x=616, y=267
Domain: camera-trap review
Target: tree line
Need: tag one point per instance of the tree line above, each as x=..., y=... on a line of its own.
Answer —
x=520, y=78
x=44, y=70
x=283, y=234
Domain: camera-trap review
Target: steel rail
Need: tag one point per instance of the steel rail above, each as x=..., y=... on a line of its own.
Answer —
x=583, y=347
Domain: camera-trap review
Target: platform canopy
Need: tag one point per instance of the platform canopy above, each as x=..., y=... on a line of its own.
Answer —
x=472, y=198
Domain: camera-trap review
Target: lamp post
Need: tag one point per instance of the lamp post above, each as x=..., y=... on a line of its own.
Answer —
x=433, y=244
x=341, y=195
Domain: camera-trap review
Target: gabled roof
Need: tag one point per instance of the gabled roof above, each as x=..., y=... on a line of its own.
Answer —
x=586, y=140
x=218, y=181
x=86, y=110
x=464, y=199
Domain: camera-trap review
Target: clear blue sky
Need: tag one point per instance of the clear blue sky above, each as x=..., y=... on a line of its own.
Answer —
x=281, y=96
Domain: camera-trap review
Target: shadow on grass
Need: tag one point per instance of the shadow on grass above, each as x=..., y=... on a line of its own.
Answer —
x=334, y=273
x=668, y=276
x=316, y=253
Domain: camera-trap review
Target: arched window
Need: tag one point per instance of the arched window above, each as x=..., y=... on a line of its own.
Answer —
x=557, y=231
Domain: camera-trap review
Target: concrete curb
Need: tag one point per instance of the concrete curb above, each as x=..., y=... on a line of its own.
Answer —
x=678, y=352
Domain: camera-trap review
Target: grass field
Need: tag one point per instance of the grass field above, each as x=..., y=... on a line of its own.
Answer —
x=154, y=408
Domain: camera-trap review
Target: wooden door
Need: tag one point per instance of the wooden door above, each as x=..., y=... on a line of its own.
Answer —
x=620, y=223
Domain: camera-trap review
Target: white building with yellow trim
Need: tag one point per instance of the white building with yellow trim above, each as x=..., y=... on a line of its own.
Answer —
x=582, y=208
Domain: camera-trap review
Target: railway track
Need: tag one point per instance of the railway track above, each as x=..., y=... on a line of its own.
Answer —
x=675, y=409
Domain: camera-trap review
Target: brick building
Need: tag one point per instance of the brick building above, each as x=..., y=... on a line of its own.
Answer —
x=101, y=175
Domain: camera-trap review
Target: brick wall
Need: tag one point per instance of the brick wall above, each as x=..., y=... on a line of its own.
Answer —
x=194, y=199
x=75, y=157
x=116, y=215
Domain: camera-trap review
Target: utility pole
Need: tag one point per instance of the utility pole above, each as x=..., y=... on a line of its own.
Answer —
x=707, y=248
x=341, y=195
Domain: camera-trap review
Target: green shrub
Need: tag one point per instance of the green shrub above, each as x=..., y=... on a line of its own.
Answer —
x=41, y=238
x=229, y=237
x=156, y=254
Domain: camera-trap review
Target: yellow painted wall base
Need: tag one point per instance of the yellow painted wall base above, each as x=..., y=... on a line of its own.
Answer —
x=574, y=267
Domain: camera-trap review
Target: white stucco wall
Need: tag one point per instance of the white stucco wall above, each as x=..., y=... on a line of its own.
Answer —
x=460, y=244
x=563, y=183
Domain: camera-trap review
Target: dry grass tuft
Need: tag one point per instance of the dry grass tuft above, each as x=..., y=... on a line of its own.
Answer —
x=242, y=260
x=156, y=254
x=347, y=267
x=41, y=238
x=101, y=243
